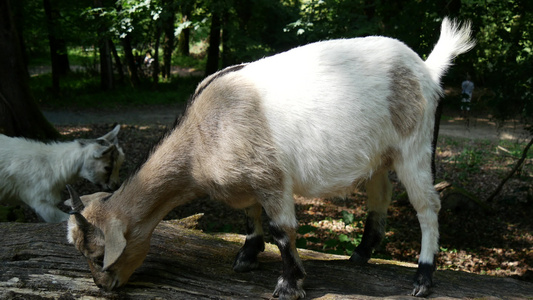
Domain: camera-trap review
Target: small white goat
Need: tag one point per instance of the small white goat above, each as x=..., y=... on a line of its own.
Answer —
x=36, y=173
x=316, y=121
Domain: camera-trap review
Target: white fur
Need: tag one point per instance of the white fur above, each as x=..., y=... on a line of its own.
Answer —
x=35, y=173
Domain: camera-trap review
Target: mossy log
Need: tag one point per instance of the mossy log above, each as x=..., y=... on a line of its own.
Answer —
x=36, y=262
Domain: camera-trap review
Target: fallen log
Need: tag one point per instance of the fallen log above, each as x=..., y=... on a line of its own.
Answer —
x=36, y=262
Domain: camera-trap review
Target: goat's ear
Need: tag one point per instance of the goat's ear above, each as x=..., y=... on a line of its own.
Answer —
x=115, y=242
x=100, y=153
x=112, y=135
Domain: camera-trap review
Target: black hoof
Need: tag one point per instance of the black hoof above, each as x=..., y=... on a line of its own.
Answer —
x=241, y=266
x=423, y=280
x=286, y=291
x=245, y=261
x=358, y=259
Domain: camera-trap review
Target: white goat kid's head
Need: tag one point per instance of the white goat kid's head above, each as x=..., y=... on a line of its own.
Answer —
x=101, y=238
x=103, y=160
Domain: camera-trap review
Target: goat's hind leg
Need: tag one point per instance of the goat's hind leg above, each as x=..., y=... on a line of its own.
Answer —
x=283, y=227
x=422, y=195
x=246, y=259
x=379, y=191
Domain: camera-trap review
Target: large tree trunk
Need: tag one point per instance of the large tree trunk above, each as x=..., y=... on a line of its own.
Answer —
x=38, y=263
x=19, y=113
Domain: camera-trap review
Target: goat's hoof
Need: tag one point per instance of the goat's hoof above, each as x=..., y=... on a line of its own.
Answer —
x=420, y=291
x=284, y=290
x=241, y=266
x=358, y=259
x=423, y=280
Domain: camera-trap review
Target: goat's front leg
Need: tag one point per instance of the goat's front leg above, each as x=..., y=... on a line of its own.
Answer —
x=379, y=191
x=246, y=259
x=290, y=283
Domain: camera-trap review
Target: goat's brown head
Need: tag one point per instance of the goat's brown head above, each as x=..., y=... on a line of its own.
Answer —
x=102, y=238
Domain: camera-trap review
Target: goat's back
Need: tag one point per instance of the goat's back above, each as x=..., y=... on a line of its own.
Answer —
x=334, y=112
x=337, y=108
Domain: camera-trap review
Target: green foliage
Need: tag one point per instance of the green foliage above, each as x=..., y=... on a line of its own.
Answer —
x=328, y=19
x=343, y=244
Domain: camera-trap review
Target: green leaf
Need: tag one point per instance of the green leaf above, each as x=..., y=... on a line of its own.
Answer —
x=347, y=217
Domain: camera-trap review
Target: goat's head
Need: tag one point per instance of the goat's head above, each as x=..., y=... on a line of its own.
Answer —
x=104, y=240
x=103, y=161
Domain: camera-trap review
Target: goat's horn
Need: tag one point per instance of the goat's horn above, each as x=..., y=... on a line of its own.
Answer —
x=77, y=207
x=76, y=204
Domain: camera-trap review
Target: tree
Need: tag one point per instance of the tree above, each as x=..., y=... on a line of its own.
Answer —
x=170, y=8
x=19, y=113
x=213, y=51
x=58, y=47
x=185, y=33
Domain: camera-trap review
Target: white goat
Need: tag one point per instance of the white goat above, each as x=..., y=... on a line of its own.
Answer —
x=36, y=173
x=317, y=121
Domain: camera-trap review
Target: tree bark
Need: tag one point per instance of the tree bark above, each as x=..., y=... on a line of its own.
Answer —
x=19, y=113
x=38, y=263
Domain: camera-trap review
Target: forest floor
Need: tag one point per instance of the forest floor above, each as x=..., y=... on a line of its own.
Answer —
x=486, y=238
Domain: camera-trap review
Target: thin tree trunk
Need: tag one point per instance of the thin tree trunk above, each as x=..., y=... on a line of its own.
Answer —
x=155, y=66
x=168, y=28
x=118, y=63
x=104, y=48
x=106, y=65
x=130, y=61
x=513, y=171
x=183, y=42
x=185, y=35
x=54, y=49
x=213, y=51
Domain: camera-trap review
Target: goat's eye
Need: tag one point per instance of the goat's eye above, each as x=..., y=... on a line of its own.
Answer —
x=108, y=169
x=99, y=260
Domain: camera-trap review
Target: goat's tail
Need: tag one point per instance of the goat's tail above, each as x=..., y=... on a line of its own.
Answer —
x=454, y=39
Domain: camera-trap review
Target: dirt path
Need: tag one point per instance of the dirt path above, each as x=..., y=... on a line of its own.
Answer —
x=479, y=128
